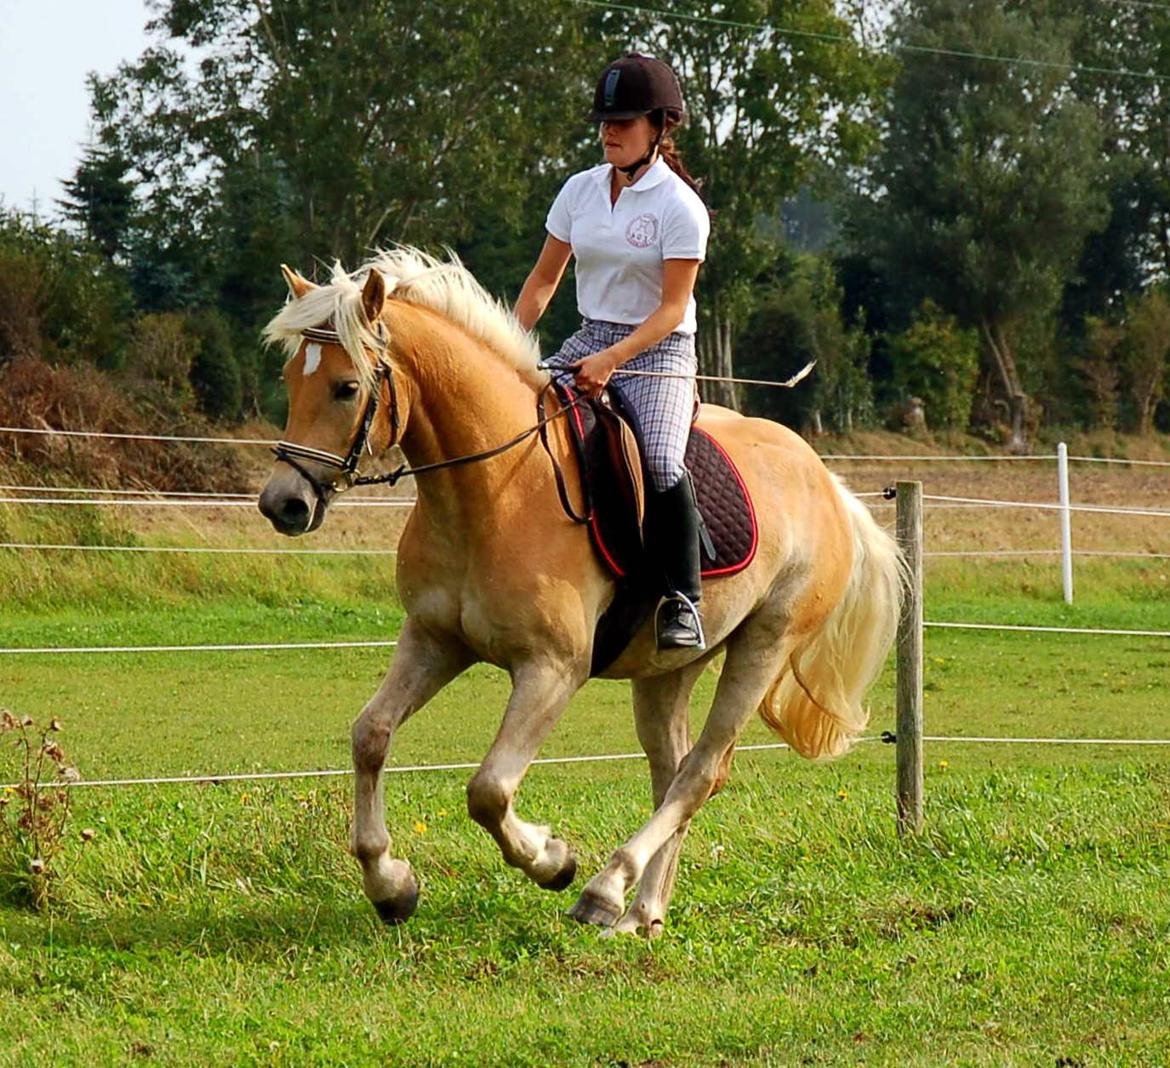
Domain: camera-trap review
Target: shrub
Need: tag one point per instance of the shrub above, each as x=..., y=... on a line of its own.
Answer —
x=938, y=361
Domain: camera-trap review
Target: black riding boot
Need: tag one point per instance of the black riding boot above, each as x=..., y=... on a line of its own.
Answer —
x=672, y=541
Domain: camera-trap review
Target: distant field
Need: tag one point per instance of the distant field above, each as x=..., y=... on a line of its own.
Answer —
x=224, y=924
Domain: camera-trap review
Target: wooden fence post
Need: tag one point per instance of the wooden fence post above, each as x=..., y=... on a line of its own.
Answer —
x=909, y=724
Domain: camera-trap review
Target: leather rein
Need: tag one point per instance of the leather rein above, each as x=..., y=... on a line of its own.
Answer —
x=291, y=453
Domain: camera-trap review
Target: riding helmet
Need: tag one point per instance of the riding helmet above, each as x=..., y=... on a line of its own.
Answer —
x=636, y=85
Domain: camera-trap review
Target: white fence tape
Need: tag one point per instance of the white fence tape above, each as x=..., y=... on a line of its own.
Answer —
x=43, y=546
x=253, y=647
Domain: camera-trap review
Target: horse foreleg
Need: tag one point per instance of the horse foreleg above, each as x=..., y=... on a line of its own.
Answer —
x=422, y=666
x=662, y=718
x=539, y=695
x=754, y=655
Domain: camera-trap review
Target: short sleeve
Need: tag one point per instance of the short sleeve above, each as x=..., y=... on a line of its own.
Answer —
x=685, y=228
x=559, y=222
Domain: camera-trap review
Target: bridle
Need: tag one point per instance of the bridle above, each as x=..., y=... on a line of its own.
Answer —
x=346, y=466
x=291, y=453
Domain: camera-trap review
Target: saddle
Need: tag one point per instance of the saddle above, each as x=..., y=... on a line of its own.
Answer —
x=606, y=441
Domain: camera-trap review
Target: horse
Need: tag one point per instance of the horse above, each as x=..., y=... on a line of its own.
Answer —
x=409, y=350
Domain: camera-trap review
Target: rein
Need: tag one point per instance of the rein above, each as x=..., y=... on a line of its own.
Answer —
x=291, y=453
x=392, y=477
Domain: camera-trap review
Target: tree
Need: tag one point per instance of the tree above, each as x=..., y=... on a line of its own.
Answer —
x=1134, y=111
x=1144, y=353
x=984, y=191
x=99, y=200
x=777, y=91
x=796, y=322
x=1100, y=369
x=363, y=124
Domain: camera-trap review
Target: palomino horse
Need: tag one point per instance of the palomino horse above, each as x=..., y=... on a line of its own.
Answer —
x=411, y=351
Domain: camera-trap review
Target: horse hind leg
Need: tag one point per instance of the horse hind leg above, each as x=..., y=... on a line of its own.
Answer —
x=422, y=666
x=539, y=695
x=662, y=718
x=754, y=653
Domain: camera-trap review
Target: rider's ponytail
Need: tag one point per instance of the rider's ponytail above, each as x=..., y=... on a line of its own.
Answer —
x=668, y=150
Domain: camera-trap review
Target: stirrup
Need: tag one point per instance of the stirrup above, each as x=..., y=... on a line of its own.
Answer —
x=678, y=624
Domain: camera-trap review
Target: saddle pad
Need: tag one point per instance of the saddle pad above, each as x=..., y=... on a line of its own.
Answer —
x=614, y=528
x=724, y=504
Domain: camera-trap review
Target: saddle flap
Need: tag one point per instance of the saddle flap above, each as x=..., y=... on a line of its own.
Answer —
x=625, y=459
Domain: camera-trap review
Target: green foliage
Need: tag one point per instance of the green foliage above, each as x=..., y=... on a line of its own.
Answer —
x=382, y=124
x=100, y=201
x=162, y=353
x=985, y=188
x=1134, y=113
x=1101, y=371
x=799, y=322
x=215, y=371
x=59, y=300
x=937, y=361
x=1144, y=354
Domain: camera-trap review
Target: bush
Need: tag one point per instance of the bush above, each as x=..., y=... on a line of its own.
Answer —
x=35, y=394
x=58, y=301
x=215, y=373
x=938, y=361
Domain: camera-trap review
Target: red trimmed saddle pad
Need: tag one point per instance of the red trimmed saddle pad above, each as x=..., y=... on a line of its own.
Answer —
x=612, y=475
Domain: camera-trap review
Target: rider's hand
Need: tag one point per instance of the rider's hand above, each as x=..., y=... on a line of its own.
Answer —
x=594, y=371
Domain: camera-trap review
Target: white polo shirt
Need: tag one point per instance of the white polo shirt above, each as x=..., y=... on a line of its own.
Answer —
x=620, y=248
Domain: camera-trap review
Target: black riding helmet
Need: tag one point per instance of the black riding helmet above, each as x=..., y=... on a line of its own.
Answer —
x=636, y=85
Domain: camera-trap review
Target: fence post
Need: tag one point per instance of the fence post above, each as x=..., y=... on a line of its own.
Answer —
x=1066, y=570
x=909, y=667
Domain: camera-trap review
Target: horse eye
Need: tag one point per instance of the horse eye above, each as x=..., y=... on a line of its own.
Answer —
x=346, y=390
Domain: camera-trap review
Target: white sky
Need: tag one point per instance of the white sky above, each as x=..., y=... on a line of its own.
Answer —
x=47, y=48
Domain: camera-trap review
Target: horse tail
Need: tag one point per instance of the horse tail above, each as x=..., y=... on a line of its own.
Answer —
x=815, y=704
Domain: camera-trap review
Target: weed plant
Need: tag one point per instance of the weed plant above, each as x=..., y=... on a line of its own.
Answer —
x=34, y=809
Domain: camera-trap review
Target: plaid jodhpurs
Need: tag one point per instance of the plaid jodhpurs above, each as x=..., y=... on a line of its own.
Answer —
x=663, y=407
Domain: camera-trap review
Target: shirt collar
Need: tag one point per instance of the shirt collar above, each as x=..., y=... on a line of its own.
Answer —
x=656, y=175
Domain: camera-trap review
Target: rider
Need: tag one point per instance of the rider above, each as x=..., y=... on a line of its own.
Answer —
x=638, y=230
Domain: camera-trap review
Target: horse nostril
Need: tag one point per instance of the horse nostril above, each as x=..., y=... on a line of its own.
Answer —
x=294, y=512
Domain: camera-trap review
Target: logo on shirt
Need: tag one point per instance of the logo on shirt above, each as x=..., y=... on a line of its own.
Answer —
x=642, y=231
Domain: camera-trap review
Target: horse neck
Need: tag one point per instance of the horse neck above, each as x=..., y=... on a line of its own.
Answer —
x=463, y=399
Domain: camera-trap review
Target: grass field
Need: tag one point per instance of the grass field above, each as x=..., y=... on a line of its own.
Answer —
x=224, y=924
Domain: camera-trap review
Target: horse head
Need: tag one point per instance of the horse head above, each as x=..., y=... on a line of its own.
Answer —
x=341, y=397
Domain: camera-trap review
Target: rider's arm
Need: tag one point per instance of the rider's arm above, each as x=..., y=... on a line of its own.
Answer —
x=542, y=281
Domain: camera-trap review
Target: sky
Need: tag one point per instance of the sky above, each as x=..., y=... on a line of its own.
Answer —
x=47, y=49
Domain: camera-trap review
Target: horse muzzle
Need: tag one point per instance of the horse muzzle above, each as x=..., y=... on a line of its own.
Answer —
x=292, y=504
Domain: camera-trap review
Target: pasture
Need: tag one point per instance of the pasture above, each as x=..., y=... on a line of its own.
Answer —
x=224, y=923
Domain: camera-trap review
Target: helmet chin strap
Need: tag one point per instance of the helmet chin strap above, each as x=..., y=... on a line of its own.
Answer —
x=633, y=168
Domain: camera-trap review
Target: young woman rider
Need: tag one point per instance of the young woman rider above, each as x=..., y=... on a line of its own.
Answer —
x=638, y=230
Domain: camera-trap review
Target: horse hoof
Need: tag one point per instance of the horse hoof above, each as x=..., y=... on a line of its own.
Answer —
x=591, y=909
x=396, y=910
x=564, y=877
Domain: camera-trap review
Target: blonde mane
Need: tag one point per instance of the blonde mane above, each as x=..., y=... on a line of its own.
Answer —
x=445, y=286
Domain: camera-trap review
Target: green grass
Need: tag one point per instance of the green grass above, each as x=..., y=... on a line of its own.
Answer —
x=224, y=924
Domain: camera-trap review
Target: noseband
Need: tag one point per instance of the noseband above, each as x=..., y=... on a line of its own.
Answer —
x=346, y=466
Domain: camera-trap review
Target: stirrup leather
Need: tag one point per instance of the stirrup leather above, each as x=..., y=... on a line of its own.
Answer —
x=682, y=629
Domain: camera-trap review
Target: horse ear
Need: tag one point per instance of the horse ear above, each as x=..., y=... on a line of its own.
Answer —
x=373, y=295
x=297, y=285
